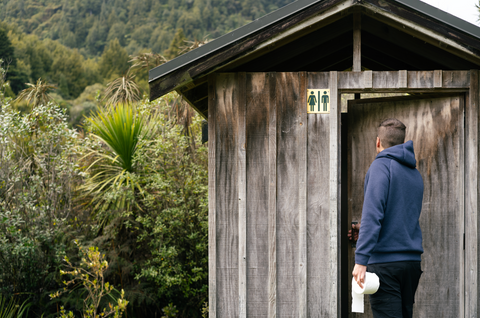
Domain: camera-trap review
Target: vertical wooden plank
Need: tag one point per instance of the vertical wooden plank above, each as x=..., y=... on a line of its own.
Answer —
x=302, y=196
x=368, y=82
x=402, y=79
x=318, y=216
x=357, y=42
x=212, y=244
x=258, y=104
x=242, y=195
x=471, y=199
x=437, y=78
x=335, y=110
x=461, y=203
x=272, y=198
x=227, y=194
x=288, y=124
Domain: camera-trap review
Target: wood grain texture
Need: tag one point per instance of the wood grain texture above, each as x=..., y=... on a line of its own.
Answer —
x=258, y=102
x=435, y=126
x=390, y=81
x=272, y=197
x=402, y=79
x=334, y=192
x=471, y=198
x=226, y=141
x=368, y=83
x=318, y=208
x=242, y=193
x=302, y=197
x=357, y=42
x=437, y=78
x=288, y=130
x=212, y=244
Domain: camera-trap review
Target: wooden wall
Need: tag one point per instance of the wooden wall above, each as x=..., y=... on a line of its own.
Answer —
x=275, y=191
x=271, y=198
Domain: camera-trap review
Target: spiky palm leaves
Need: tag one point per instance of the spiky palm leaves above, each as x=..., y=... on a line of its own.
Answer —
x=147, y=60
x=123, y=90
x=37, y=94
x=12, y=309
x=111, y=169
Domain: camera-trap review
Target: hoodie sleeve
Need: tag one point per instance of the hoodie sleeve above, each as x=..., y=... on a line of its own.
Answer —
x=377, y=183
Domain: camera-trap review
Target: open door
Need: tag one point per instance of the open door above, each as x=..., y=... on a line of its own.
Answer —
x=436, y=126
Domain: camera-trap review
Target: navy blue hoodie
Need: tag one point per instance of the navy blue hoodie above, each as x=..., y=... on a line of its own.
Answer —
x=390, y=231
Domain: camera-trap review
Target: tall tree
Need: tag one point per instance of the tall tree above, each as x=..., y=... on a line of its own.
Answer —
x=176, y=46
x=114, y=61
x=16, y=78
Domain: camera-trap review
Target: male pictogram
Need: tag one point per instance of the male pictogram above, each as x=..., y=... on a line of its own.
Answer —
x=325, y=101
x=312, y=101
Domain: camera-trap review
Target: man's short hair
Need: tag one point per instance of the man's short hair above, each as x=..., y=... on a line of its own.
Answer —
x=391, y=132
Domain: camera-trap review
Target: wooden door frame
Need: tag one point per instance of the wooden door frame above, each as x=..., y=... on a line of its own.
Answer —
x=437, y=81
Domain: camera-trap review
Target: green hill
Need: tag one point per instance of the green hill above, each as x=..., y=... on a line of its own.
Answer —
x=89, y=25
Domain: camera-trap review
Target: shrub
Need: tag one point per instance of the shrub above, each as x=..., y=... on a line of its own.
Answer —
x=37, y=176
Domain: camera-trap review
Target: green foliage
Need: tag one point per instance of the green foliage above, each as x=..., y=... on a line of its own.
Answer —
x=12, y=309
x=137, y=24
x=170, y=311
x=51, y=61
x=36, y=94
x=176, y=46
x=177, y=237
x=122, y=90
x=37, y=172
x=114, y=60
x=91, y=276
x=7, y=55
x=158, y=239
x=121, y=129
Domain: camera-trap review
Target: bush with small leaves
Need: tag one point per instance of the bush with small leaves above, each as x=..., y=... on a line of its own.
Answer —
x=90, y=275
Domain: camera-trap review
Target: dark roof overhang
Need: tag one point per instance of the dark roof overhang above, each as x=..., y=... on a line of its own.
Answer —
x=398, y=34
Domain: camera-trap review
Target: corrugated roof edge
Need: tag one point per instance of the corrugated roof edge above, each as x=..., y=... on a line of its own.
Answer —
x=287, y=11
x=229, y=38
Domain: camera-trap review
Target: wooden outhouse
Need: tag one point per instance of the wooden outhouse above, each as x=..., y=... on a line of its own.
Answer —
x=287, y=164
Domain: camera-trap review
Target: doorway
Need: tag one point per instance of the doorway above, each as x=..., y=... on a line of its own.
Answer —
x=435, y=123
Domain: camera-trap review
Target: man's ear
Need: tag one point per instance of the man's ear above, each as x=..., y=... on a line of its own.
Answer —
x=378, y=142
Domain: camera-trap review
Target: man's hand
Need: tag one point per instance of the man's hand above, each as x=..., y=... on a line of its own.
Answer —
x=359, y=274
x=353, y=233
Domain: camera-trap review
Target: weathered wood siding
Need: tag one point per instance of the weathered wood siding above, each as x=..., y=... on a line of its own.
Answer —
x=436, y=127
x=269, y=154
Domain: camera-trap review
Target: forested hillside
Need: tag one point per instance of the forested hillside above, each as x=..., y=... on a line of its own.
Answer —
x=89, y=25
x=77, y=44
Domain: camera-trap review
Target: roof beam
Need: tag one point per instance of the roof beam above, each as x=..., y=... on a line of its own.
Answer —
x=409, y=42
x=399, y=52
x=424, y=28
x=297, y=47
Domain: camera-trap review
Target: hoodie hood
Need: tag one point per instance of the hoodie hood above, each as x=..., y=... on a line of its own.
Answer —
x=402, y=153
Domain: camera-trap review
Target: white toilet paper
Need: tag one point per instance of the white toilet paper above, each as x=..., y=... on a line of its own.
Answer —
x=371, y=285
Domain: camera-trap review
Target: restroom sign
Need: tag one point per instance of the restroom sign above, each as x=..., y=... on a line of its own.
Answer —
x=318, y=101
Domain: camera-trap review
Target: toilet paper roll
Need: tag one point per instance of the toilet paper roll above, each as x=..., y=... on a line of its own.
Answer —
x=371, y=285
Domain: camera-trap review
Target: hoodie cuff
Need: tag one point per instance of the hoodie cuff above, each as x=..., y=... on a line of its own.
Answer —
x=361, y=259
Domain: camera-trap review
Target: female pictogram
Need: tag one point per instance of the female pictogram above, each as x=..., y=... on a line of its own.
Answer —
x=312, y=101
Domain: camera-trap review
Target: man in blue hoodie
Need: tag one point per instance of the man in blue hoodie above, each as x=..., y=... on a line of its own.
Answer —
x=390, y=239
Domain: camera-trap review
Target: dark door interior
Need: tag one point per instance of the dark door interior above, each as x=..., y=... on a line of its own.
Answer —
x=436, y=126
